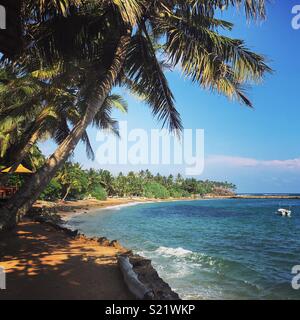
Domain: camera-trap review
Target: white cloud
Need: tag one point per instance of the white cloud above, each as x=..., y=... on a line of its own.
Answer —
x=231, y=161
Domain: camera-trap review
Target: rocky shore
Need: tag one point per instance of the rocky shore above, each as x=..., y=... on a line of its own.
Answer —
x=149, y=276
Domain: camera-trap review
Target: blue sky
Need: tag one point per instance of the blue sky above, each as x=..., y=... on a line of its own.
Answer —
x=256, y=149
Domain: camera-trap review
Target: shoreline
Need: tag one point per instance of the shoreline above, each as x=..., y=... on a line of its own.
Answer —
x=47, y=213
x=57, y=215
x=63, y=249
x=68, y=209
x=44, y=259
x=279, y=197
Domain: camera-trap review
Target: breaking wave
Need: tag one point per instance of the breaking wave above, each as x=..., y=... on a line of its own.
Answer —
x=178, y=252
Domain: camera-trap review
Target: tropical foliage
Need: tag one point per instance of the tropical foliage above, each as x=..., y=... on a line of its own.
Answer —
x=74, y=52
x=74, y=183
x=39, y=106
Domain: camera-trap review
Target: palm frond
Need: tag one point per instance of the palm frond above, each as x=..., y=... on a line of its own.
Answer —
x=44, y=7
x=254, y=9
x=104, y=121
x=88, y=147
x=117, y=102
x=148, y=80
x=130, y=10
x=205, y=56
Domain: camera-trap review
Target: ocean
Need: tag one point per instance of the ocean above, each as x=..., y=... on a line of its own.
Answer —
x=210, y=249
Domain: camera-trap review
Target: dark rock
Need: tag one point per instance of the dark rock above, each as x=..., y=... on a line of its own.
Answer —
x=149, y=276
x=104, y=242
x=71, y=233
x=116, y=244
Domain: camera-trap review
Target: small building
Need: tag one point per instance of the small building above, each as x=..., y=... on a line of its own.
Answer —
x=7, y=192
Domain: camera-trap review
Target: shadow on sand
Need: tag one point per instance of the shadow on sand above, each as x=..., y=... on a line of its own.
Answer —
x=42, y=263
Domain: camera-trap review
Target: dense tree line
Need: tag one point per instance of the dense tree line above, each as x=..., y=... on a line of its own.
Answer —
x=72, y=182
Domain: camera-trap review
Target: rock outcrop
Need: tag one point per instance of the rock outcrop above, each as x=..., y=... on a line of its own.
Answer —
x=149, y=277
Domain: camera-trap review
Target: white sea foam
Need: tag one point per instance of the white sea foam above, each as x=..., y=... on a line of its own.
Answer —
x=178, y=252
x=124, y=205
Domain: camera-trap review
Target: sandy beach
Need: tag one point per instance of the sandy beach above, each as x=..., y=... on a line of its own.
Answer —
x=44, y=263
x=68, y=209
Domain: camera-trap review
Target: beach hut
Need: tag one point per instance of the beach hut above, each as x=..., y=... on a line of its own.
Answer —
x=7, y=192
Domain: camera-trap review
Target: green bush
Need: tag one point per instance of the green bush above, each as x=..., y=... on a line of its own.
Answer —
x=185, y=193
x=176, y=193
x=99, y=193
x=156, y=190
x=52, y=192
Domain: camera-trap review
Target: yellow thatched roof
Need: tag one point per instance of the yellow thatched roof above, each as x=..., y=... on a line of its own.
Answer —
x=20, y=169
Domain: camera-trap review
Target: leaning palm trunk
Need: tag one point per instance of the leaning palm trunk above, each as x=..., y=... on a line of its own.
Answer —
x=66, y=194
x=23, y=200
x=23, y=152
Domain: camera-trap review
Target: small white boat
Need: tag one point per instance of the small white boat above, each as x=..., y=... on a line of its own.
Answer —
x=285, y=212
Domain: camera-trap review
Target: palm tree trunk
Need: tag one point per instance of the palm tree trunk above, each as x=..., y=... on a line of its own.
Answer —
x=23, y=200
x=67, y=193
x=23, y=152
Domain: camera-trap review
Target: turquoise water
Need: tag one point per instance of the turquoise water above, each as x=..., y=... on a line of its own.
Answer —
x=214, y=249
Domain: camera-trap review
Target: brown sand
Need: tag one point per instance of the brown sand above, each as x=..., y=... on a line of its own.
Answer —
x=42, y=263
x=68, y=208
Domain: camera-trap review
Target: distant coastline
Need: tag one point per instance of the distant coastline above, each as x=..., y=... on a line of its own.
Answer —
x=253, y=196
x=68, y=209
x=267, y=196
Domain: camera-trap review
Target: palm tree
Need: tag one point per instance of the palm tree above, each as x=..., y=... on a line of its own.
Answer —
x=48, y=111
x=179, y=179
x=148, y=175
x=107, y=181
x=71, y=177
x=94, y=179
x=119, y=41
x=121, y=185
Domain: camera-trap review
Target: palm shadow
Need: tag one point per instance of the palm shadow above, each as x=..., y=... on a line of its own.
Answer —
x=43, y=263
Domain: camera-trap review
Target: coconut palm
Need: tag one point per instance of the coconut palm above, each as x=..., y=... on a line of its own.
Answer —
x=118, y=41
x=107, y=181
x=71, y=176
x=49, y=109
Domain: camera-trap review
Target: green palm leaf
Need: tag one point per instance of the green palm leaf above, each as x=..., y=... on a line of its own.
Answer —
x=148, y=80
